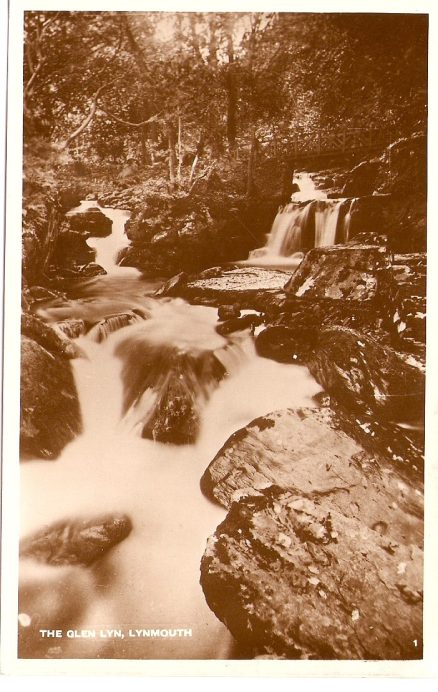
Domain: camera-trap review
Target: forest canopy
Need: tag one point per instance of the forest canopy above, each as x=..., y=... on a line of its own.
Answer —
x=151, y=86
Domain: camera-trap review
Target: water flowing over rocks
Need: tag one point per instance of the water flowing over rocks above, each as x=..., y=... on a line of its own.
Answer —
x=71, y=328
x=166, y=386
x=112, y=323
x=293, y=577
x=173, y=233
x=76, y=541
x=91, y=222
x=50, y=416
x=320, y=555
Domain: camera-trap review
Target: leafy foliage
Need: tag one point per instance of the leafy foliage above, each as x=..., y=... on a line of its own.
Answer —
x=184, y=90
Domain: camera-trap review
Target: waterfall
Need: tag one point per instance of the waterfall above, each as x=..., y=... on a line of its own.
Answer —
x=326, y=222
x=309, y=220
x=286, y=235
x=108, y=248
x=113, y=323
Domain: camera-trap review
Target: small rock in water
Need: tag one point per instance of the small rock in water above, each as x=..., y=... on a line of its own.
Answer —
x=239, y=323
x=76, y=542
x=228, y=312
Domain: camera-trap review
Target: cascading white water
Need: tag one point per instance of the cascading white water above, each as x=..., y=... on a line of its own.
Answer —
x=151, y=579
x=326, y=222
x=108, y=248
x=308, y=189
x=286, y=240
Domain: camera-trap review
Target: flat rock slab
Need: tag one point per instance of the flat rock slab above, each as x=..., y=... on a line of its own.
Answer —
x=246, y=286
x=293, y=579
x=307, y=452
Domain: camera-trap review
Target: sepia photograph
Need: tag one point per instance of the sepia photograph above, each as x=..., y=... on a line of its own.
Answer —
x=222, y=316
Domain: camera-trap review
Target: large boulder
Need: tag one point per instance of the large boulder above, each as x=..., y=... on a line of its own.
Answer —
x=353, y=274
x=366, y=376
x=174, y=233
x=294, y=578
x=362, y=179
x=308, y=452
x=50, y=413
x=91, y=223
x=71, y=249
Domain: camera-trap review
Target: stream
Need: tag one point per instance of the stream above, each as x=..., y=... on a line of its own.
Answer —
x=150, y=579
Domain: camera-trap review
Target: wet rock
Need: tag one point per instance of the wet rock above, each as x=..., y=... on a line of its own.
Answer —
x=50, y=337
x=37, y=294
x=368, y=216
x=92, y=269
x=356, y=274
x=308, y=452
x=72, y=328
x=290, y=577
x=228, y=312
x=248, y=287
x=171, y=286
x=400, y=443
x=91, y=223
x=176, y=415
x=165, y=387
x=366, y=376
x=239, y=323
x=286, y=344
x=192, y=232
x=408, y=314
x=76, y=542
x=362, y=179
x=112, y=323
x=71, y=249
x=50, y=414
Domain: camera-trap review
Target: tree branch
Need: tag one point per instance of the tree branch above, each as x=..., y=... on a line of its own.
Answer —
x=87, y=120
x=152, y=119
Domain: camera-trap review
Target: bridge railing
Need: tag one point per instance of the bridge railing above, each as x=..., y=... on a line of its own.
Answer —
x=338, y=141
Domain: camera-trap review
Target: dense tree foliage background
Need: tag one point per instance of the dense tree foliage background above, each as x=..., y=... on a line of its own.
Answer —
x=183, y=90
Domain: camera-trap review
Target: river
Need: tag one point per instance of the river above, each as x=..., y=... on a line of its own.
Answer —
x=151, y=579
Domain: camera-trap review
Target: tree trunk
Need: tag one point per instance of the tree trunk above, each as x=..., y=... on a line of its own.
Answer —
x=199, y=152
x=231, y=94
x=212, y=43
x=171, y=138
x=250, y=184
x=180, y=153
